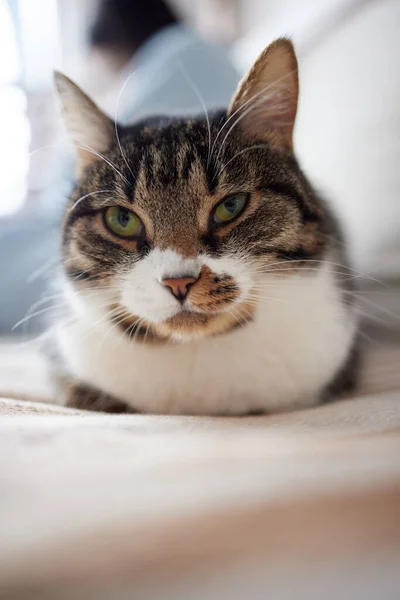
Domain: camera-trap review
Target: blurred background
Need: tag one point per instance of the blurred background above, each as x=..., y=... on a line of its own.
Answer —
x=137, y=57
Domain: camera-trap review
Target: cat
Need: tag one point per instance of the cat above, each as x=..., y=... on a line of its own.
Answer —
x=202, y=274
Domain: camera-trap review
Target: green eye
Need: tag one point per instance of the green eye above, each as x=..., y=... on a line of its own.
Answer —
x=229, y=208
x=123, y=222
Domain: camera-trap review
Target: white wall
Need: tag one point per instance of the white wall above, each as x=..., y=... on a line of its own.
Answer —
x=348, y=129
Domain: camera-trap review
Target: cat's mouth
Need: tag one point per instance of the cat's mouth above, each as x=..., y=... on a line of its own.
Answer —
x=186, y=324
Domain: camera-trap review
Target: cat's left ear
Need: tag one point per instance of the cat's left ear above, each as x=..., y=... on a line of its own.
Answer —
x=90, y=129
x=265, y=103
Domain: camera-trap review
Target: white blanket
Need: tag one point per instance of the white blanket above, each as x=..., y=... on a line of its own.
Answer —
x=302, y=505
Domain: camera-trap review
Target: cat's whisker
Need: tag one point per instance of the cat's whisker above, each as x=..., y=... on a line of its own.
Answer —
x=258, y=300
x=79, y=147
x=140, y=321
x=382, y=309
x=223, y=167
x=203, y=105
x=71, y=321
x=46, y=267
x=146, y=333
x=322, y=262
x=370, y=317
x=111, y=313
x=304, y=272
x=127, y=315
x=30, y=313
x=106, y=160
x=37, y=341
x=98, y=288
x=353, y=294
x=116, y=122
x=99, y=298
x=365, y=314
x=131, y=329
x=232, y=313
x=241, y=308
x=370, y=310
x=380, y=293
x=114, y=325
x=88, y=195
x=47, y=146
x=263, y=297
x=96, y=291
x=36, y=314
x=308, y=260
x=367, y=337
x=248, y=313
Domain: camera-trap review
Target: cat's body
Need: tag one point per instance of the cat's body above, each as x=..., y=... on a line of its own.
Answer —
x=262, y=366
x=229, y=295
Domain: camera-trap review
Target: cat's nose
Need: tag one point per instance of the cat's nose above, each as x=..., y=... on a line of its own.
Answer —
x=179, y=286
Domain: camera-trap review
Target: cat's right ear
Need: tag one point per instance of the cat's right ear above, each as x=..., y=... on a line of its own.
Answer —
x=90, y=129
x=265, y=102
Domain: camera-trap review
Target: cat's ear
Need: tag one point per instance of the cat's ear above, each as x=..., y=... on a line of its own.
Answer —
x=90, y=129
x=265, y=102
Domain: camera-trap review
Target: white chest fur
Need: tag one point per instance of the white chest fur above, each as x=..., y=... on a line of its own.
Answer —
x=297, y=341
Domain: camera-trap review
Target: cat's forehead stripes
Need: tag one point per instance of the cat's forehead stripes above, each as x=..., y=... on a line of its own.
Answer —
x=164, y=166
x=170, y=189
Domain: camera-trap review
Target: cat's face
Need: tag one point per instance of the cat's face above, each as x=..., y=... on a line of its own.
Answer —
x=173, y=232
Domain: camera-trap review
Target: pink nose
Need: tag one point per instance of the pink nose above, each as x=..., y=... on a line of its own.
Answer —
x=179, y=287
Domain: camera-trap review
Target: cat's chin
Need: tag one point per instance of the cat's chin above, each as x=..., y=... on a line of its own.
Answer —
x=185, y=325
x=188, y=325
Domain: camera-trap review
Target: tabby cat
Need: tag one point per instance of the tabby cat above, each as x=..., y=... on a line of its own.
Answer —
x=202, y=274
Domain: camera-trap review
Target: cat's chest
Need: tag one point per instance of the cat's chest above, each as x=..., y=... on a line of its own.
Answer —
x=291, y=350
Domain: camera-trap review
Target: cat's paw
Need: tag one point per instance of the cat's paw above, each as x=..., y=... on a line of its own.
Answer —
x=86, y=398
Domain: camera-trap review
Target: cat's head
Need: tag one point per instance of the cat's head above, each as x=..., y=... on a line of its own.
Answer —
x=174, y=223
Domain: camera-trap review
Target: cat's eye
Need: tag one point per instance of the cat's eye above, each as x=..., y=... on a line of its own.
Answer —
x=229, y=208
x=123, y=222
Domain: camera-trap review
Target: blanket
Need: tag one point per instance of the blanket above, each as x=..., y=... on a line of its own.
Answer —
x=302, y=505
